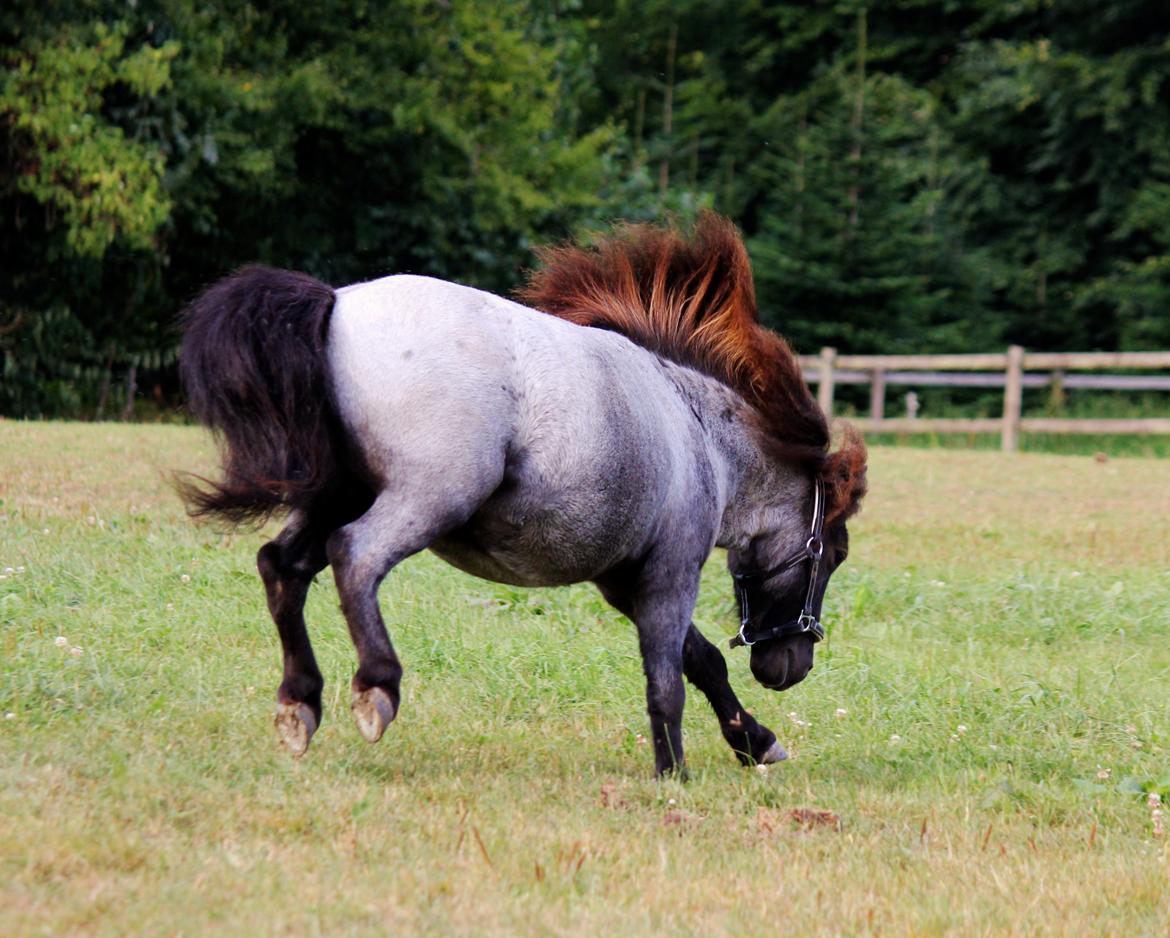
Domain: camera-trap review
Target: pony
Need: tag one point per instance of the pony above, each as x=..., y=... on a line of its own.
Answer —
x=623, y=419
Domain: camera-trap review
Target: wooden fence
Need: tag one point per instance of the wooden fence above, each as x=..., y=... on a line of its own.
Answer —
x=1008, y=370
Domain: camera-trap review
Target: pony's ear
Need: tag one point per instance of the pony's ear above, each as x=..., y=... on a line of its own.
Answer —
x=844, y=474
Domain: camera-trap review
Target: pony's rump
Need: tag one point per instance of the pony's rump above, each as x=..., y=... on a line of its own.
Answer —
x=253, y=365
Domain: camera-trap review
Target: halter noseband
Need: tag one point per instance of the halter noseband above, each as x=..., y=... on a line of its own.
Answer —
x=807, y=622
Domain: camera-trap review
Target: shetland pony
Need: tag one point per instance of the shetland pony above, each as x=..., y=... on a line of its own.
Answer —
x=626, y=420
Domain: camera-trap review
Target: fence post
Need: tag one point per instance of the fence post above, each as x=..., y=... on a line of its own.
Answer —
x=825, y=388
x=877, y=394
x=1012, y=399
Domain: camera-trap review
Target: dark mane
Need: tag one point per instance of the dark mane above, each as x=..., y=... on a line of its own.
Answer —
x=692, y=300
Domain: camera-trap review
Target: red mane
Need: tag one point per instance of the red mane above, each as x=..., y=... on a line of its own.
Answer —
x=693, y=300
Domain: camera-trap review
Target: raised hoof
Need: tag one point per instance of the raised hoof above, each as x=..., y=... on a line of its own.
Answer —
x=373, y=710
x=775, y=753
x=296, y=725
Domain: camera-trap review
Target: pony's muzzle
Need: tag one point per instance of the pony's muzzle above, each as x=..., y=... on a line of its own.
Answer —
x=780, y=663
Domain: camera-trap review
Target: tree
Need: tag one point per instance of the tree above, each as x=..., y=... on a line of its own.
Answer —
x=1070, y=131
x=348, y=142
x=78, y=190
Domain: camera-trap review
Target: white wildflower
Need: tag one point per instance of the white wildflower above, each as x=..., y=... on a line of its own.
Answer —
x=60, y=641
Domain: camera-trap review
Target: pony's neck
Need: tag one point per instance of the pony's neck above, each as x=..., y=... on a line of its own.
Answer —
x=757, y=493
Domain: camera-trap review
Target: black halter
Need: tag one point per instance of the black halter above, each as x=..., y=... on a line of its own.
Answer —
x=807, y=622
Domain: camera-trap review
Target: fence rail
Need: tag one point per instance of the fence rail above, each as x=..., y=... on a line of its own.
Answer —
x=1007, y=370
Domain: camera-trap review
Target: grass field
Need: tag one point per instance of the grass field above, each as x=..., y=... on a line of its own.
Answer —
x=985, y=723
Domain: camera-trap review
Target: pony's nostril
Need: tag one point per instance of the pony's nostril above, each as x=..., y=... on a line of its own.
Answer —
x=785, y=665
x=799, y=666
x=789, y=668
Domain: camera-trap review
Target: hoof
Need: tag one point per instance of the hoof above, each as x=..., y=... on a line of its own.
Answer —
x=775, y=753
x=373, y=711
x=296, y=725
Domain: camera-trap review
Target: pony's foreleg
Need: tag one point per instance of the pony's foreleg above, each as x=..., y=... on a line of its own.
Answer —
x=287, y=566
x=704, y=667
x=662, y=614
x=665, y=698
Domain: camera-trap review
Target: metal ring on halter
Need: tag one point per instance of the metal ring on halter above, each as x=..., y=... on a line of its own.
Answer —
x=807, y=622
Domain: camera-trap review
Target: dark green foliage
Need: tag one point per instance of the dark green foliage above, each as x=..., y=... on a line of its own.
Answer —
x=915, y=175
x=187, y=139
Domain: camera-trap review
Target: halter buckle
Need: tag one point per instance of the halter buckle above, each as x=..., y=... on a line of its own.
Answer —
x=807, y=622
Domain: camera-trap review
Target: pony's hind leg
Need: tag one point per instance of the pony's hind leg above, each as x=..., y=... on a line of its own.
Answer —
x=287, y=566
x=399, y=523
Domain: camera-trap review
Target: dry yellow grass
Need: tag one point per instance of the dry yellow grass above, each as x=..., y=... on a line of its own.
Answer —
x=142, y=791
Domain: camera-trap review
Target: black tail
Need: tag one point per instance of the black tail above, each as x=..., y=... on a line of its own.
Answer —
x=254, y=369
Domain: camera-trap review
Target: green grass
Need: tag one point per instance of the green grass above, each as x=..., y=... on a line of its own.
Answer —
x=142, y=790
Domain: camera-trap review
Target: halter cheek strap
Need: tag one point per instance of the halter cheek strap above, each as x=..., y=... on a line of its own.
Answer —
x=807, y=622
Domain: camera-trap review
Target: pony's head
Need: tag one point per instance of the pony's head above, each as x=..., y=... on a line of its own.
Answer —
x=780, y=580
x=781, y=613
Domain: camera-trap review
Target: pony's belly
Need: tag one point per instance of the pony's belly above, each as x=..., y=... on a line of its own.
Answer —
x=530, y=565
x=484, y=566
